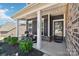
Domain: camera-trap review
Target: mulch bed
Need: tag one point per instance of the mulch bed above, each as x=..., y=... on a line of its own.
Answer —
x=8, y=50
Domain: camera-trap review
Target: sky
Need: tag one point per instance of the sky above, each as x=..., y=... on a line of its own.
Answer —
x=8, y=9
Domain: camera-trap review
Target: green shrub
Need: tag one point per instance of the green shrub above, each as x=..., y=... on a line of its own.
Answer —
x=25, y=46
x=30, y=44
x=11, y=40
x=7, y=39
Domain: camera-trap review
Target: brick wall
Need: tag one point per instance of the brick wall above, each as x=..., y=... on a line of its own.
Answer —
x=72, y=29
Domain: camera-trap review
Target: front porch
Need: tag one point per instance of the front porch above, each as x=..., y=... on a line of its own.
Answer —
x=53, y=48
x=43, y=23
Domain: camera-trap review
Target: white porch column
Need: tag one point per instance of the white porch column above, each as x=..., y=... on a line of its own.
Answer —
x=26, y=25
x=17, y=28
x=64, y=24
x=48, y=25
x=39, y=39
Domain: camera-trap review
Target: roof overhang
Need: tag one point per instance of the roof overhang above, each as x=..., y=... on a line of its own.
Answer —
x=33, y=8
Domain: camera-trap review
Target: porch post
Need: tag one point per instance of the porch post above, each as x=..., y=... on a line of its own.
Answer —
x=26, y=25
x=48, y=25
x=64, y=23
x=17, y=28
x=39, y=39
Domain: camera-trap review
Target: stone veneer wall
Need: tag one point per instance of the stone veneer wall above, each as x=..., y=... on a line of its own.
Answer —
x=72, y=29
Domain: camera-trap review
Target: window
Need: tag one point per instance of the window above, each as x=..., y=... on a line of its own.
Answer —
x=30, y=26
x=42, y=26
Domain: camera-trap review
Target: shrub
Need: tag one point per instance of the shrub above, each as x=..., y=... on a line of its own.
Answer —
x=25, y=46
x=30, y=44
x=7, y=39
x=11, y=40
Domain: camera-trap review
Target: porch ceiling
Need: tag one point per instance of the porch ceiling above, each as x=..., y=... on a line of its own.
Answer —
x=57, y=9
x=28, y=13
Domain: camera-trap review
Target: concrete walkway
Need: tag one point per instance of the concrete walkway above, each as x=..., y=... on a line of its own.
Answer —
x=53, y=48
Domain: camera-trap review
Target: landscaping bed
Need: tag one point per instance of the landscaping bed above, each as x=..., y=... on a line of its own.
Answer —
x=8, y=50
x=23, y=48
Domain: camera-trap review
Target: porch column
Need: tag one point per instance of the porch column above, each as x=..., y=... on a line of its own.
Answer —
x=17, y=28
x=26, y=25
x=39, y=39
x=64, y=23
x=48, y=25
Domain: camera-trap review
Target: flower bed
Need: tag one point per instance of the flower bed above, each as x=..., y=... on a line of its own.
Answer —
x=12, y=47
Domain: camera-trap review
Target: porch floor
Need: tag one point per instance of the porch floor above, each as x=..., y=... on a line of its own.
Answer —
x=53, y=48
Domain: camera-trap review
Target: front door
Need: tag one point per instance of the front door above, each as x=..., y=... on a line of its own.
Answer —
x=58, y=30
